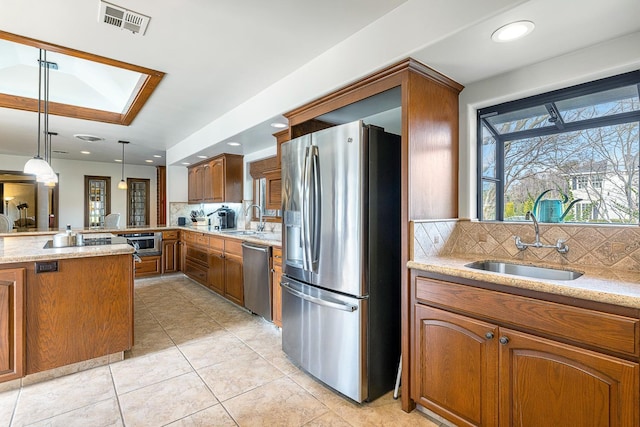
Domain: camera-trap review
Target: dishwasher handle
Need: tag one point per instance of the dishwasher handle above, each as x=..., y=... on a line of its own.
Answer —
x=256, y=248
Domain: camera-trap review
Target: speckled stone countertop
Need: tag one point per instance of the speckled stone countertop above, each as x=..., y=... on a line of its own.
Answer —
x=27, y=248
x=264, y=238
x=601, y=285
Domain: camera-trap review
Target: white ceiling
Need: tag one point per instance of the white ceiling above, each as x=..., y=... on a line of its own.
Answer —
x=226, y=56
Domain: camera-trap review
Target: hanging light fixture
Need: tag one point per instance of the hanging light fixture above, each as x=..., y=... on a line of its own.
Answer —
x=51, y=180
x=38, y=166
x=122, y=185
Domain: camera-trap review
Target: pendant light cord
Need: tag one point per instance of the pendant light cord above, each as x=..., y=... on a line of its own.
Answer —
x=39, y=98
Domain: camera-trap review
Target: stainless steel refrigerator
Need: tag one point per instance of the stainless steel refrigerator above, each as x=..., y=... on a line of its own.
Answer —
x=341, y=252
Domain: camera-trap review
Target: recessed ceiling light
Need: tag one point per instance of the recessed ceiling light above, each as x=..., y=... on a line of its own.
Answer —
x=86, y=152
x=186, y=163
x=278, y=125
x=233, y=144
x=202, y=157
x=512, y=31
x=149, y=161
x=118, y=160
x=88, y=138
x=157, y=156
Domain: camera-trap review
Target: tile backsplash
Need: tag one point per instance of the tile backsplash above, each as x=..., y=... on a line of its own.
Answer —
x=609, y=246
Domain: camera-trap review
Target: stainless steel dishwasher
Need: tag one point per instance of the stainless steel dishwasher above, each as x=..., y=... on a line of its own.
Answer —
x=257, y=279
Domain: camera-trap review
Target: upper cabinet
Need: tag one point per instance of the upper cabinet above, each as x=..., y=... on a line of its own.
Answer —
x=216, y=180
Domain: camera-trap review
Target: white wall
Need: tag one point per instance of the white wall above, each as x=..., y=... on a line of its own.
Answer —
x=599, y=61
x=71, y=186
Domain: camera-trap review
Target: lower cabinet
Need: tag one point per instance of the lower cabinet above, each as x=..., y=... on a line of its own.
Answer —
x=148, y=266
x=81, y=311
x=12, y=324
x=276, y=276
x=481, y=373
x=216, y=277
x=170, y=252
x=234, y=279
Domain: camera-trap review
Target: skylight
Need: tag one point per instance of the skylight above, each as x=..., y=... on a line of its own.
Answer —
x=84, y=86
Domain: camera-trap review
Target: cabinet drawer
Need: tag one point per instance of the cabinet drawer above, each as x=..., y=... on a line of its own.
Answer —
x=216, y=243
x=148, y=266
x=197, y=255
x=233, y=247
x=277, y=256
x=594, y=328
x=196, y=272
x=170, y=235
x=201, y=240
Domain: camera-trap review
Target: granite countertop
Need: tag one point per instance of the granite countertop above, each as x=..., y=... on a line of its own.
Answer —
x=596, y=284
x=264, y=238
x=26, y=248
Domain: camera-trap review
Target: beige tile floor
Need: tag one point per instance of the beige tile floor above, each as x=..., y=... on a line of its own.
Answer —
x=198, y=360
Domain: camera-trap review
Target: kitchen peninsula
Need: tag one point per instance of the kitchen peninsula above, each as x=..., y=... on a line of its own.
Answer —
x=79, y=304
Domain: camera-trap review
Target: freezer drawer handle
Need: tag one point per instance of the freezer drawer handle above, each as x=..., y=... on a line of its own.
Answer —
x=318, y=301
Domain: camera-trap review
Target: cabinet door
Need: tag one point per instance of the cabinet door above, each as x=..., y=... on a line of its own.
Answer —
x=170, y=256
x=276, y=273
x=546, y=383
x=195, y=184
x=207, y=183
x=216, y=277
x=138, y=201
x=273, y=190
x=234, y=286
x=455, y=368
x=11, y=323
x=217, y=180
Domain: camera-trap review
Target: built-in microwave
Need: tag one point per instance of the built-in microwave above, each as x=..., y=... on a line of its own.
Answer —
x=146, y=244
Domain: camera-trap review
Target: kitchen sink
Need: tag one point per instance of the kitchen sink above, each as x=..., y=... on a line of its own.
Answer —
x=257, y=234
x=525, y=270
x=241, y=232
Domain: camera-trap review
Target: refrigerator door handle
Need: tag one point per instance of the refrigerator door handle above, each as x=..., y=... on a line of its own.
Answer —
x=318, y=301
x=305, y=208
x=317, y=209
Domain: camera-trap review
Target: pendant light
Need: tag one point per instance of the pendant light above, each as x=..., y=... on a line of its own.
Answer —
x=38, y=166
x=122, y=185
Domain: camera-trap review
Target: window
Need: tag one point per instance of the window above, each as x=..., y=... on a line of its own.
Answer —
x=580, y=142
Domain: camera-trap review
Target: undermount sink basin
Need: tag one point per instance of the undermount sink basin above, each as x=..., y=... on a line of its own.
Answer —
x=525, y=270
x=257, y=234
x=241, y=232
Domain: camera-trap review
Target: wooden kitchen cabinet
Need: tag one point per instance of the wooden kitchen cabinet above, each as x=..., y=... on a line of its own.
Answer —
x=150, y=265
x=273, y=190
x=80, y=312
x=12, y=324
x=276, y=275
x=196, y=265
x=480, y=357
x=170, y=251
x=216, y=180
x=216, y=276
x=234, y=279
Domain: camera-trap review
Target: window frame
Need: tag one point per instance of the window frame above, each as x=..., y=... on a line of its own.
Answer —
x=547, y=99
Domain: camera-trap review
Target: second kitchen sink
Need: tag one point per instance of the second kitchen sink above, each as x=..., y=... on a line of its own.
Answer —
x=525, y=270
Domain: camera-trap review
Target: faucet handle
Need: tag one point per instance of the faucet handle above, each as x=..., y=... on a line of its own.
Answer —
x=561, y=246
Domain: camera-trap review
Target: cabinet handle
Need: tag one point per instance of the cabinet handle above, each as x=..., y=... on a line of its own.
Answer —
x=504, y=340
x=272, y=270
x=489, y=335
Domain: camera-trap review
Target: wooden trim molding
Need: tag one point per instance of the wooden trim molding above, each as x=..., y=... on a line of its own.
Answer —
x=147, y=84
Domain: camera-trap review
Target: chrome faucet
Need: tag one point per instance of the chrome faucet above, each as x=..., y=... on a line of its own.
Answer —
x=560, y=245
x=260, y=223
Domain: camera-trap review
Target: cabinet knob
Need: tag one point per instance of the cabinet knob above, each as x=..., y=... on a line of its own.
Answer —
x=504, y=340
x=489, y=335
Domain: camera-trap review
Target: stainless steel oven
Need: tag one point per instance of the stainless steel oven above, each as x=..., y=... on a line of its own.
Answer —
x=146, y=244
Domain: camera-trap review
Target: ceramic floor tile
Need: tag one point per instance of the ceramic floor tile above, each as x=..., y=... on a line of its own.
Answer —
x=152, y=368
x=213, y=416
x=149, y=342
x=329, y=419
x=101, y=414
x=235, y=377
x=8, y=401
x=217, y=348
x=166, y=402
x=281, y=402
x=50, y=398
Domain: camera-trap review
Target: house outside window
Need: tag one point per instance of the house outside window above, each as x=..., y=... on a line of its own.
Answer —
x=580, y=142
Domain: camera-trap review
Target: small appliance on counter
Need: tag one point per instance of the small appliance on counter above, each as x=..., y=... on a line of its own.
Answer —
x=226, y=217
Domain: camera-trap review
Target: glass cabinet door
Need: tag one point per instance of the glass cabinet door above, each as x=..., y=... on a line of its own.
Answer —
x=137, y=202
x=97, y=200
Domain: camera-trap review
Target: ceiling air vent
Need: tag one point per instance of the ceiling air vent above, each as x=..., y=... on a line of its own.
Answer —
x=122, y=18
